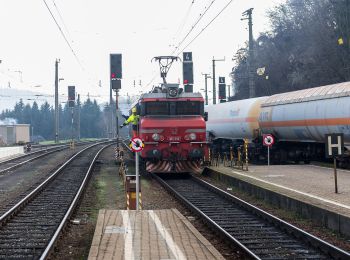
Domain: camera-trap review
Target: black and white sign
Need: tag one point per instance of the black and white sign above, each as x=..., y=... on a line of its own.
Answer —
x=268, y=140
x=334, y=145
x=187, y=56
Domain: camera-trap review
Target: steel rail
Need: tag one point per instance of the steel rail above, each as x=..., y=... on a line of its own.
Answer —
x=27, y=198
x=28, y=154
x=72, y=206
x=212, y=223
x=50, y=151
x=289, y=229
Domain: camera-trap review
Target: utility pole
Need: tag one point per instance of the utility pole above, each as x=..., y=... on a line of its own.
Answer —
x=214, y=87
x=228, y=92
x=116, y=115
x=206, y=76
x=111, y=114
x=250, y=63
x=56, y=100
x=78, y=119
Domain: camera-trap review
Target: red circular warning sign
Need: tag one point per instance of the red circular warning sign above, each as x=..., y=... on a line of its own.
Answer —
x=136, y=144
x=268, y=140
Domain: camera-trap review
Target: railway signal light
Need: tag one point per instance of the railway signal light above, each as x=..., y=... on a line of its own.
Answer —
x=222, y=88
x=116, y=70
x=71, y=96
x=187, y=67
x=188, y=72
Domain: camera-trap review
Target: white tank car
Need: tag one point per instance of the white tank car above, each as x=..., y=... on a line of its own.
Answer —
x=307, y=115
x=235, y=119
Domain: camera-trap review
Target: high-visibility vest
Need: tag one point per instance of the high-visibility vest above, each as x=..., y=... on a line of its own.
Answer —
x=133, y=119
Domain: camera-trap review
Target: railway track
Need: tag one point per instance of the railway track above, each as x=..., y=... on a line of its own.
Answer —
x=26, y=158
x=30, y=228
x=15, y=162
x=259, y=234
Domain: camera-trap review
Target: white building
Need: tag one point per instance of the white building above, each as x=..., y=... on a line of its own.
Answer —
x=14, y=134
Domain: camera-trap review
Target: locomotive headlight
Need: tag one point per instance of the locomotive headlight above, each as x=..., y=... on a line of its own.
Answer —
x=156, y=137
x=192, y=136
x=172, y=92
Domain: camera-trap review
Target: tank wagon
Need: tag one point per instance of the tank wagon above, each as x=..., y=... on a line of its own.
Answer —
x=172, y=127
x=298, y=120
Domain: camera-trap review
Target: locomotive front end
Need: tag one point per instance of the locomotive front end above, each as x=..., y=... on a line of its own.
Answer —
x=174, y=132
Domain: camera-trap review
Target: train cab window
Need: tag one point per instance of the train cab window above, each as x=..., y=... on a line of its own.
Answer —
x=189, y=108
x=156, y=108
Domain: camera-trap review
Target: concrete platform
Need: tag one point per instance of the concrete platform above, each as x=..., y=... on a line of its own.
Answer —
x=148, y=234
x=10, y=152
x=305, y=189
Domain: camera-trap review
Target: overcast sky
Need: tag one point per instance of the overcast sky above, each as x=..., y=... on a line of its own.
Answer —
x=30, y=41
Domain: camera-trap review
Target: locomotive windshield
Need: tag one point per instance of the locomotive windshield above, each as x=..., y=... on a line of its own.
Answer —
x=157, y=108
x=188, y=108
x=180, y=108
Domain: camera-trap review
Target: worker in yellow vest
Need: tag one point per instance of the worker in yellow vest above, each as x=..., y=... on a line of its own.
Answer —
x=134, y=120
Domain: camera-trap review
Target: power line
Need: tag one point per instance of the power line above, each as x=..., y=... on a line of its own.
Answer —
x=198, y=33
x=64, y=36
x=61, y=18
x=193, y=26
x=182, y=25
x=150, y=82
x=223, y=9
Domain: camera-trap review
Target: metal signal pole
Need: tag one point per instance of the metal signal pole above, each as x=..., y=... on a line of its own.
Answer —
x=248, y=15
x=78, y=118
x=56, y=101
x=214, y=87
x=206, y=76
x=111, y=114
x=116, y=115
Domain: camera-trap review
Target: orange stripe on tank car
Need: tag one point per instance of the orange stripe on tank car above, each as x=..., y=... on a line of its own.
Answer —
x=309, y=122
x=234, y=120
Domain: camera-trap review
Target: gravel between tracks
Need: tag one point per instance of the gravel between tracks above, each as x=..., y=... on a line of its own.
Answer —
x=20, y=181
x=106, y=190
x=304, y=224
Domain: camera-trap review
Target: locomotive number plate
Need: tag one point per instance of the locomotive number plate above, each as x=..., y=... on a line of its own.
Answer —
x=174, y=138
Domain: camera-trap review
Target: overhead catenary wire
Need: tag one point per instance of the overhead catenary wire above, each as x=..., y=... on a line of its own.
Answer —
x=64, y=36
x=182, y=24
x=61, y=18
x=223, y=9
x=193, y=26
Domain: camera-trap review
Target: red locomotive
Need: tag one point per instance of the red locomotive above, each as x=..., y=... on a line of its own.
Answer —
x=173, y=128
